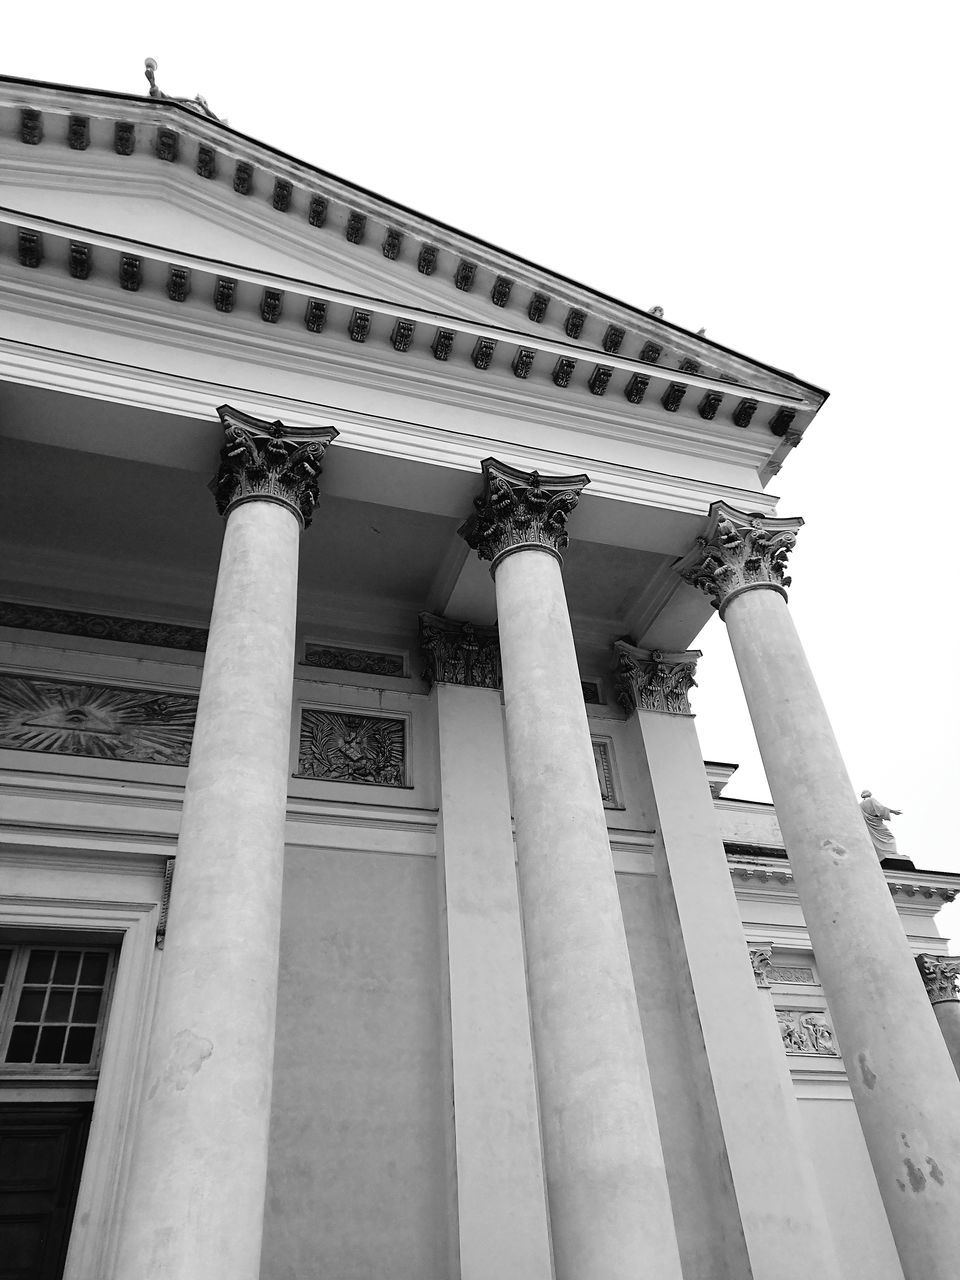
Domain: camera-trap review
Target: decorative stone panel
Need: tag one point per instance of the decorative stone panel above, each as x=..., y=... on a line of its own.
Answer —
x=460, y=652
x=603, y=759
x=806, y=1031
x=364, y=661
x=100, y=626
x=104, y=721
x=338, y=746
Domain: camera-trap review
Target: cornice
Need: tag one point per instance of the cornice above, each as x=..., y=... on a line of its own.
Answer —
x=177, y=137
x=188, y=397
x=764, y=876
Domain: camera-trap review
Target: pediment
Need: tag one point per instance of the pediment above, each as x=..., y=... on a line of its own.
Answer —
x=157, y=173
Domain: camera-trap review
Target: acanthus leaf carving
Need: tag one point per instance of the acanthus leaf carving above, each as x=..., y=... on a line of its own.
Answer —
x=520, y=508
x=651, y=680
x=939, y=974
x=460, y=652
x=270, y=461
x=761, y=961
x=740, y=551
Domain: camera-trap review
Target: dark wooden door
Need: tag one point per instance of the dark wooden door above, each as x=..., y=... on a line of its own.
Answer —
x=41, y=1155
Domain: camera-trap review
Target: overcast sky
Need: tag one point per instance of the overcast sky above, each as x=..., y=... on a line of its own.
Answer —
x=782, y=175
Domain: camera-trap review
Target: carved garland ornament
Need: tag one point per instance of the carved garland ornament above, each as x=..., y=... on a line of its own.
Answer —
x=741, y=551
x=460, y=652
x=520, y=509
x=939, y=975
x=649, y=680
x=269, y=461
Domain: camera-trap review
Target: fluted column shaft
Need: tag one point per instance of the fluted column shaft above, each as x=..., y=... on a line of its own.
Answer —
x=906, y=1091
x=195, y=1188
x=609, y=1204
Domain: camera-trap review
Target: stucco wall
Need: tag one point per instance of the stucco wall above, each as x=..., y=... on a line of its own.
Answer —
x=357, y=1184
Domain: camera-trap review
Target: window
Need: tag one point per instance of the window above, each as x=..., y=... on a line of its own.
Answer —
x=53, y=1002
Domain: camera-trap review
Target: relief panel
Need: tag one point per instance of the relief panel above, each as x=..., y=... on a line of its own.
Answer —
x=338, y=746
x=365, y=661
x=807, y=1031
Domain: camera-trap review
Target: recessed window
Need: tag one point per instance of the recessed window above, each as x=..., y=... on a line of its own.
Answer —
x=53, y=1004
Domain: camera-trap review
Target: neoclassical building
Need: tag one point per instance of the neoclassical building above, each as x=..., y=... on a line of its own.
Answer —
x=367, y=909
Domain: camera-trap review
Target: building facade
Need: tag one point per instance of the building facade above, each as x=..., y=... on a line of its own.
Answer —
x=366, y=906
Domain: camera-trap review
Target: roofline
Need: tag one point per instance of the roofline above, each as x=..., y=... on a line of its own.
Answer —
x=171, y=104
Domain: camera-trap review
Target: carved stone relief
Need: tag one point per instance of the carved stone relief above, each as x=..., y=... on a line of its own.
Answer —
x=519, y=508
x=792, y=973
x=83, y=719
x=939, y=975
x=343, y=747
x=807, y=1031
x=650, y=680
x=761, y=962
x=460, y=652
x=740, y=551
x=99, y=626
x=365, y=661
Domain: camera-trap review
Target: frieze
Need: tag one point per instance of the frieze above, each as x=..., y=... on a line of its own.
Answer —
x=800, y=975
x=650, y=680
x=282, y=195
x=636, y=387
x=362, y=661
x=460, y=652
x=563, y=372
x=741, y=551
x=78, y=133
x=81, y=260
x=806, y=1031
x=103, y=721
x=317, y=211
x=519, y=508
x=939, y=974
x=761, y=961
x=340, y=747
x=99, y=626
x=270, y=461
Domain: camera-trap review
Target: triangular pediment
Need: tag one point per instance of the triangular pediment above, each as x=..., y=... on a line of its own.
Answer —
x=157, y=173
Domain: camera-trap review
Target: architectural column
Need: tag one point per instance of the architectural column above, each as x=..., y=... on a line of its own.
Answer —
x=774, y=1184
x=195, y=1187
x=501, y=1204
x=609, y=1204
x=939, y=974
x=906, y=1091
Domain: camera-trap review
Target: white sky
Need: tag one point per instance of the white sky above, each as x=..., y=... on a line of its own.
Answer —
x=782, y=175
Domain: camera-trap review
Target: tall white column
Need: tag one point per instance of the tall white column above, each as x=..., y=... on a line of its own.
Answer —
x=903, y=1082
x=501, y=1199
x=774, y=1183
x=195, y=1191
x=609, y=1203
x=939, y=974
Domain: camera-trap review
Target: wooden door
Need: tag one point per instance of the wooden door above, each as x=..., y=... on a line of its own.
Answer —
x=41, y=1155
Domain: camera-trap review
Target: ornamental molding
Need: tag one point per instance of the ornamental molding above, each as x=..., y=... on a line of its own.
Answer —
x=101, y=626
x=83, y=718
x=360, y=661
x=939, y=974
x=460, y=652
x=740, y=551
x=651, y=680
x=519, y=509
x=269, y=461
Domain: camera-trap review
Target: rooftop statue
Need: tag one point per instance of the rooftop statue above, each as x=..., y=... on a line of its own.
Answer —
x=198, y=104
x=875, y=815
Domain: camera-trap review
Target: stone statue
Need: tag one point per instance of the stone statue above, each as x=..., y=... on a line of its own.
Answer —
x=875, y=815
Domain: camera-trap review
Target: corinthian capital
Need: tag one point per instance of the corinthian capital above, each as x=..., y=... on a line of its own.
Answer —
x=939, y=974
x=740, y=551
x=520, y=509
x=649, y=680
x=460, y=652
x=268, y=461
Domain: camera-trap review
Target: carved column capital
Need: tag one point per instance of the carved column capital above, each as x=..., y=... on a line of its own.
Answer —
x=520, y=509
x=460, y=652
x=270, y=462
x=939, y=974
x=649, y=680
x=740, y=551
x=761, y=960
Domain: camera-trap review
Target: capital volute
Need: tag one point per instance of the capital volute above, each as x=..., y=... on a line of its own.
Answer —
x=761, y=961
x=460, y=652
x=270, y=462
x=651, y=680
x=519, y=509
x=939, y=974
x=740, y=551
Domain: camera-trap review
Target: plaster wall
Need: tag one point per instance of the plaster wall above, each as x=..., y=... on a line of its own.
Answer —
x=357, y=1178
